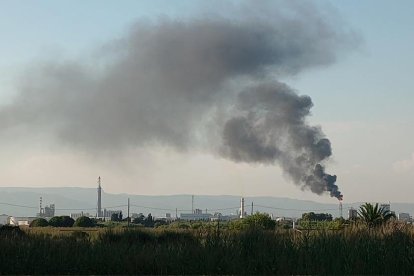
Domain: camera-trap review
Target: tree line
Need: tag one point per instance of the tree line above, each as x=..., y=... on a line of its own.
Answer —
x=63, y=221
x=369, y=214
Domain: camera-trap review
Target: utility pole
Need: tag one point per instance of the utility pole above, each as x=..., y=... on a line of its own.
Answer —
x=176, y=213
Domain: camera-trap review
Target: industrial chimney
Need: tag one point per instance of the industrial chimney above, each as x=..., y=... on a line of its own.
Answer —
x=242, y=207
x=99, y=213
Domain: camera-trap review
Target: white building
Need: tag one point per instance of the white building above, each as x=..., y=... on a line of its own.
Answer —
x=75, y=216
x=196, y=215
x=168, y=217
x=108, y=213
x=404, y=217
x=284, y=219
x=4, y=219
x=21, y=221
x=47, y=212
x=219, y=216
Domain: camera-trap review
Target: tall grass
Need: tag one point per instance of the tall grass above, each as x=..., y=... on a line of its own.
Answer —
x=353, y=250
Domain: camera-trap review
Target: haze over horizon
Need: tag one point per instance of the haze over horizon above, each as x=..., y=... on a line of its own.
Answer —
x=161, y=98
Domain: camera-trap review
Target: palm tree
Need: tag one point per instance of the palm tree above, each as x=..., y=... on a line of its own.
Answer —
x=373, y=215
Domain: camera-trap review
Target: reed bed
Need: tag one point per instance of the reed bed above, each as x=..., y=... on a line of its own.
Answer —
x=352, y=250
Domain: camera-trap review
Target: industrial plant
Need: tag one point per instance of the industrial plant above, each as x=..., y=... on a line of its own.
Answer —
x=47, y=211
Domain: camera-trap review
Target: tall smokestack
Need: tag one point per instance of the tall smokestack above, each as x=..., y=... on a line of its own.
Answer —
x=99, y=214
x=242, y=207
x=41, y=208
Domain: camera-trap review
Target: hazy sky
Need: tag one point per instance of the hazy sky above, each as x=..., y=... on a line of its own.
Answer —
x=362, y=100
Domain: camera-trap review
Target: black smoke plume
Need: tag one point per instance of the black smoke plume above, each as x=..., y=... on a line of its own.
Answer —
x=270, y=126
x=207, y=83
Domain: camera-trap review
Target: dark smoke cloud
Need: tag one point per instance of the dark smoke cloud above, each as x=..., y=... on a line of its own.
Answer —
x=165, y=79
x=270, y=126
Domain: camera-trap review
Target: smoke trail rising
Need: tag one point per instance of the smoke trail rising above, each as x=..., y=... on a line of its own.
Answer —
x=270, y=126
x=164, y=79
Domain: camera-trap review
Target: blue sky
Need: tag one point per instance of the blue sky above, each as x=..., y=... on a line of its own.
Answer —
x=363, y=101
x=376, y=74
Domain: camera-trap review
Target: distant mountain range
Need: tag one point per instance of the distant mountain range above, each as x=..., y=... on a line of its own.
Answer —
x=25, y=202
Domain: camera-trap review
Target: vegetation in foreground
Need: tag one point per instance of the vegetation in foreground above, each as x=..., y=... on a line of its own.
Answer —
x=356, y=249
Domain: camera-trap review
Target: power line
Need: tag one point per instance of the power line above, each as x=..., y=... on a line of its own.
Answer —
x=61, y=209
x=17, y=205
x=74, y=209
x=80, y=209
x=181, y=210
x=222, y=209
x=153, y=208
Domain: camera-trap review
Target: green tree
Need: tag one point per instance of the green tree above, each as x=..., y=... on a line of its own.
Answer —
x=55, y=221
x=311, y=216
x=139, y=220
x=61, y=221
x=39, y=222
x=67, y=221
x=149, y=221
x=260, y=220
x=373, y=215
x=84, y=222
x=115, y=217
x=159, y=223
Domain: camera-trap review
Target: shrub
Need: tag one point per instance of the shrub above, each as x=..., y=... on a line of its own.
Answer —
x=80, y=236
x=10, y=231
x=159, y=223
x=84, y=222
x=260, y=220
x=39, y=222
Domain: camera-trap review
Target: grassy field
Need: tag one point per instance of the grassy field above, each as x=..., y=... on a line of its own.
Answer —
x=353, y=250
